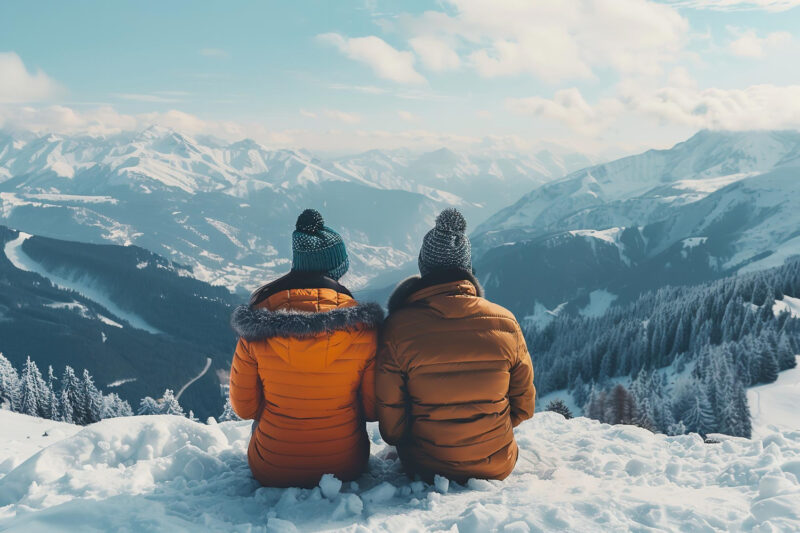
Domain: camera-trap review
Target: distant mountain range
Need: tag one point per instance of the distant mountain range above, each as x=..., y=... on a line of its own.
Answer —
x=226, y=211
x=137, y=322
x=717, y=204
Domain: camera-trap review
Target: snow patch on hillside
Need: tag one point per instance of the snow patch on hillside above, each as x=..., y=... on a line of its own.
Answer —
x=120, y=382
x=164, y=473
x=541, y=315
x=610, y=236
x=83, y=285
x=774, y=406
x=709, y=185
x=787, y=305
x=693, y=242
x=76, y=198
x=599, y=302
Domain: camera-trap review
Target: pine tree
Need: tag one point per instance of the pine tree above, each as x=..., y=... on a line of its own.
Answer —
x=170, y=405
x=556, y=406
x=769, y=365
x=148, y=406
x=619, y=408
x=228, y=414
x=9, y=385
x=52, y=406
x=786, y=357
x=114, y=407
x=745, y=426
x=30, y=389
x=595, y=408
x=699, y=418
x=92, y=400
x=71, y=399
x=643, y=415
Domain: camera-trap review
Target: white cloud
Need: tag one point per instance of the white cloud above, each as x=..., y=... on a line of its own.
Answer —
x=635, y=106
x=308, y=114
x=755, y=107
x=342, y=116
x=568, y=107
x=557, y=40
x=144, y=97
x=366, y=89
x=386, y=61
x=407, y=116
x=749, y=44
x=213, y=52
x=17, y=85
x=680, y=77
x=737, y=5
x=435, y=54
x=484, y=114
x=105, y=120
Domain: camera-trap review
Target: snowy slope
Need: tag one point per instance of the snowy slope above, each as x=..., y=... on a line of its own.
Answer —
x=774, y=406
x=171, y=474
x=23, y=436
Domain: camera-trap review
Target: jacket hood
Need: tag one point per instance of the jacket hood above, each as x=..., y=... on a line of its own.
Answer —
x=409, y=286
x=254, y=324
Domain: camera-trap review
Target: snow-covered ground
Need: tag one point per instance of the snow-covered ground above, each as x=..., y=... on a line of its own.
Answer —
x=164, y=473
x=776, y=406
x=22, y=436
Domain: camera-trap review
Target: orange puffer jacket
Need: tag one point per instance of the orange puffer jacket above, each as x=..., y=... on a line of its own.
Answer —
x=453, y=378
x=304, y=369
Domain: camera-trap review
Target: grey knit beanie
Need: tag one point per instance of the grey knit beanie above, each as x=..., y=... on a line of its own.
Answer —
x=445, y=247
x=317, y=248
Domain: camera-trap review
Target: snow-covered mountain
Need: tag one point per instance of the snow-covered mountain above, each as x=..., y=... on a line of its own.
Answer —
x=716, y=204
x=480, y=182
x=227, y=210
x=166, y=473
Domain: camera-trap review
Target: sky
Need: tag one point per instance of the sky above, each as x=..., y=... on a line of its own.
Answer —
x=593, y=76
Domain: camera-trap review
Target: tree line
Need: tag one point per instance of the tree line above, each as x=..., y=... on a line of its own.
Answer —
x=74, y=398
x=71, y=398
x=678, y=359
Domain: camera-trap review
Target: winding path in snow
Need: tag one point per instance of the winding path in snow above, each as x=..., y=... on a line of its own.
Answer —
x=198, y=376
x=83, y=286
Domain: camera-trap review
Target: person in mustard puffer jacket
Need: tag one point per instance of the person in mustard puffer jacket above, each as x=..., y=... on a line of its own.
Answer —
x=304, y=366
x=454, y=375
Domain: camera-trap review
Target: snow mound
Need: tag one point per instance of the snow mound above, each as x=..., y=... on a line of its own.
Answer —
x=164, y=473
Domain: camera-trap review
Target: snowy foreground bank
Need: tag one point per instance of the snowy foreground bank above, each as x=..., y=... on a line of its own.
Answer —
x=164, y=473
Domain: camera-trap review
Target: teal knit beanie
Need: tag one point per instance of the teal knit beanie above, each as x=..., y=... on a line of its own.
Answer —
x=317, y=248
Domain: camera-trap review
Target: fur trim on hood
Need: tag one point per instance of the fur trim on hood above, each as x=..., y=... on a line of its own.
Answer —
x=254, y=324
x=416, y=283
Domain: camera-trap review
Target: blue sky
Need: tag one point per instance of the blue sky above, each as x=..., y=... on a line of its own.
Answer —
x=591, y=75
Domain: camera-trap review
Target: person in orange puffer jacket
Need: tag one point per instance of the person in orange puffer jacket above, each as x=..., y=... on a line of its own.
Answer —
x=304, y=366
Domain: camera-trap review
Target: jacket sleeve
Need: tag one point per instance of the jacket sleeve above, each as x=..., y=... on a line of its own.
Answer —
x=392, y=396
x=246, y=389
x=367, y=392
x=521, y=392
